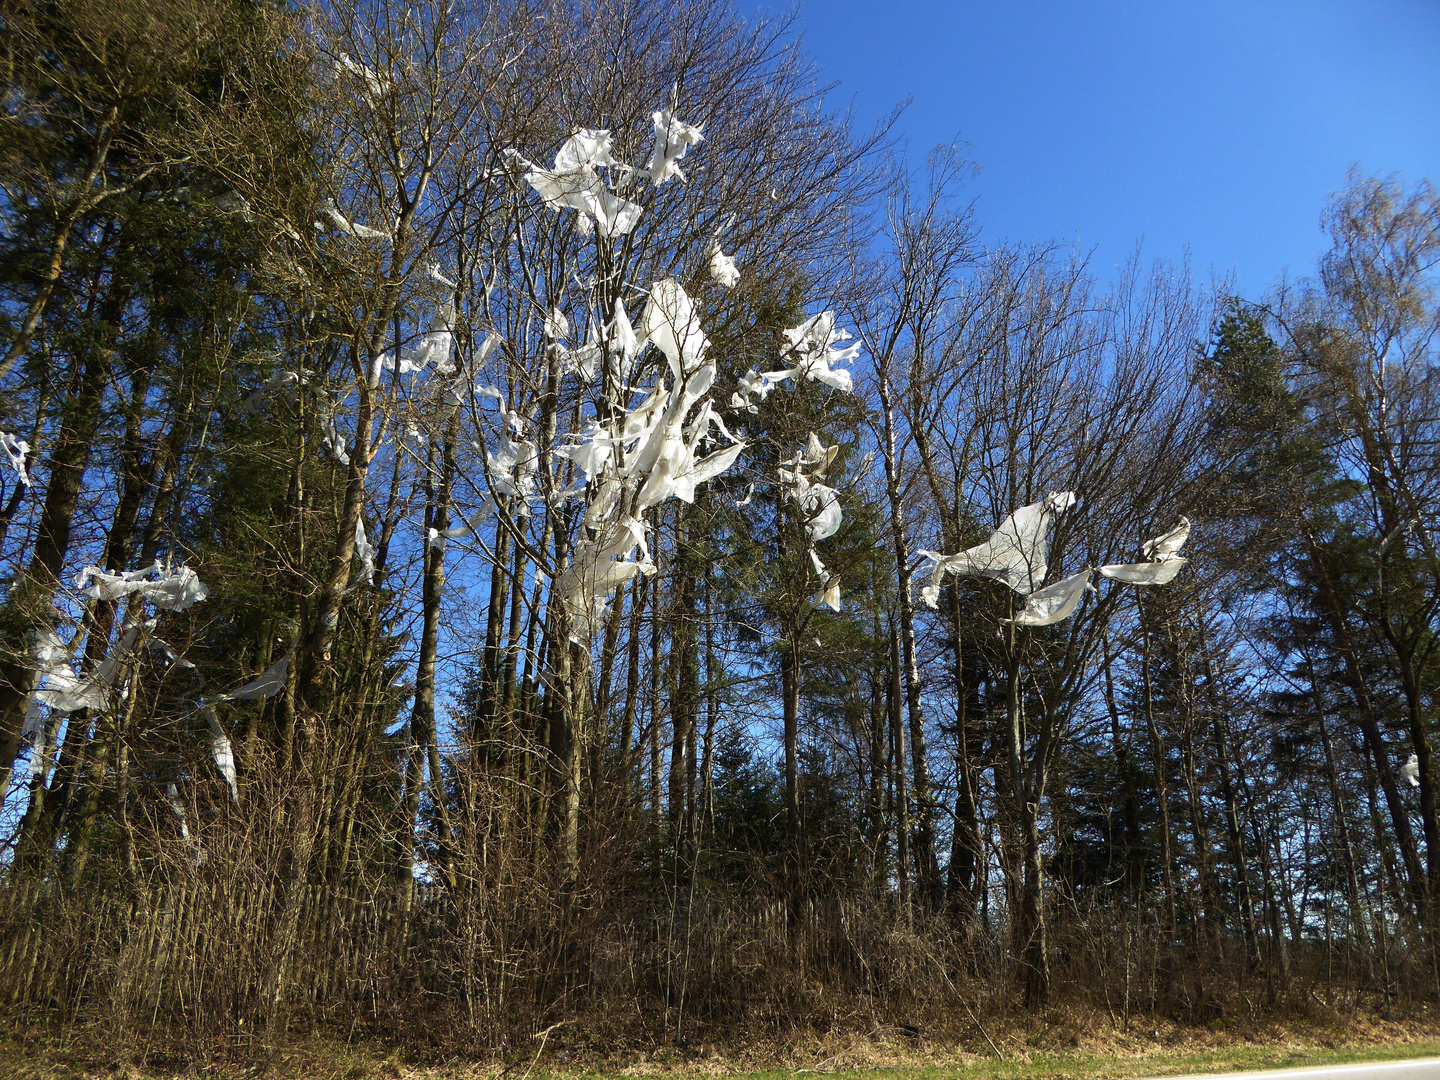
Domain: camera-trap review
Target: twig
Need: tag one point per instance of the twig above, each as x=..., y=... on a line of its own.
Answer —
x=981, y=1026
x=541, y=1049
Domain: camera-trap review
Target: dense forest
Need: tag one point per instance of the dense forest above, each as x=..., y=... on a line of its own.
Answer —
x=518, y=518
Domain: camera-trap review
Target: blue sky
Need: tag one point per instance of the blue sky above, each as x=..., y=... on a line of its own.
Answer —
x=1221, y=127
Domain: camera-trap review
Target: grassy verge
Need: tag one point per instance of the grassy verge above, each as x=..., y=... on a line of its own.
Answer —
x=1068, y=1049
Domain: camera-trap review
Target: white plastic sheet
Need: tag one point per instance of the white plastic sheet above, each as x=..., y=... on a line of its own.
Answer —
x=1016, y=553
x=829, y=596
x=436, y=538
x=1166, y=561
x=814, y=344
x=168, y=591
x=676, y=471
x=434, y=347
x=330, y=437
x=374, y=85
x=813, y=351
x=816, y=457
x=671, y=323
x=269, y=683
x=654, y=450
x=579, y=187
x=1147, y=573
x=823, y=504
x=172, y=796
x=587, y=146
x=622, y=341
x=1055, y=602
x=365, y=552
x=1166, y=547
x=672, y=138
x=820, y=506
x=513, y=467
x=557, y=326
x=64, y=692
x=722, y=268
x=17, y=450
x=344, y=225
x=223, y=755
x=597, y=568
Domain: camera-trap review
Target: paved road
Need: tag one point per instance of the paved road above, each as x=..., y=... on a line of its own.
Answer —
x=1417, y=1069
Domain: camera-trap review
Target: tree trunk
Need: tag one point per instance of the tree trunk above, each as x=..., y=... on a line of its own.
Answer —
x=965, y=849
x=422, y=714
x=1030, y=944
x=790, y=704
x=899, y=779
x=1162, y=789
x=1359, y=686
x=28, y=605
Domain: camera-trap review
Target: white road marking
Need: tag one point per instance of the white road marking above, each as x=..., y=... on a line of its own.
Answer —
x=1412, y=1064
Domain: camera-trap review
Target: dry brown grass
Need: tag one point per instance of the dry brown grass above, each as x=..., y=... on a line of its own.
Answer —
x=1077, y=1043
